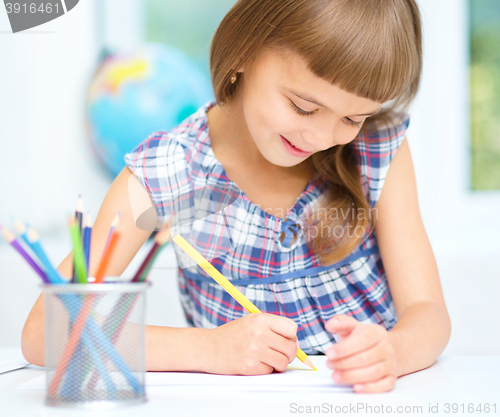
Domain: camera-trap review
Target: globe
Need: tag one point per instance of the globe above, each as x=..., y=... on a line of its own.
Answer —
x=132, y=94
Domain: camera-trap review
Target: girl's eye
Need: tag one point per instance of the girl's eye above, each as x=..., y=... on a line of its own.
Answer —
x=299, y=110
x=353, y=123
x=309, y=113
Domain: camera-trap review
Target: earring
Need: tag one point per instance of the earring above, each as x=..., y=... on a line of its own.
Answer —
x=233, y=79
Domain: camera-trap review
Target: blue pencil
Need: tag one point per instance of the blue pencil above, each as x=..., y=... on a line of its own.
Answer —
x=33, y=241
x=73, y=305
x=87, y=234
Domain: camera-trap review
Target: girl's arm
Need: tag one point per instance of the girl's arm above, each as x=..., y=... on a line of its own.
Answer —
x=367, y=355
x=254, y=344
x=424, y=327
x=116, y=200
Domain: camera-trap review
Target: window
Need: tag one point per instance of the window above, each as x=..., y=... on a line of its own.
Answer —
x=186, y=25
x=457, y=168
x=485, y=93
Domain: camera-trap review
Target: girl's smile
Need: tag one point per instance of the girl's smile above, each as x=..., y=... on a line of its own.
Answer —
x=282, y=113
x=293, y=150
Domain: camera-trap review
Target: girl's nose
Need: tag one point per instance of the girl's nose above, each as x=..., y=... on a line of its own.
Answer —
x=321, y=140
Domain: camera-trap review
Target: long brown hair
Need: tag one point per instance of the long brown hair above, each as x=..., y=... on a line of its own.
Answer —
x=371, y=48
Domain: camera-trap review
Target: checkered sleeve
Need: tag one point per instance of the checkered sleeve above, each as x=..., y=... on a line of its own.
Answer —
x=374, y=149
x=159, y=162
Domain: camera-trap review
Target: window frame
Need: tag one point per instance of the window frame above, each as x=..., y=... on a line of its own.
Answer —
x=440, y=150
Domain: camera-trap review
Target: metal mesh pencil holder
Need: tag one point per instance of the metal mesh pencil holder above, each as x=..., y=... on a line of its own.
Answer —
x=95, y=344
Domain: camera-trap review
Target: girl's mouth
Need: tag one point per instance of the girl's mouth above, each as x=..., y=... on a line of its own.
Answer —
x=293, y=150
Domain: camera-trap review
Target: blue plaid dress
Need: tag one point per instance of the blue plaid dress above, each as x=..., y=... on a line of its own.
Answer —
x=245, y=243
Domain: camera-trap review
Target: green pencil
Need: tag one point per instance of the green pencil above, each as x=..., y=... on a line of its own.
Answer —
x=78, y=258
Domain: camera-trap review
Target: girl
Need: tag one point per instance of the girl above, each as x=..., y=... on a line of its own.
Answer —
x=301, y=133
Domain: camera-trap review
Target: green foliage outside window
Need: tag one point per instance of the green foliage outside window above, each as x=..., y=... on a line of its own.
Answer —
x=485, y=94
x=190, y=25
x=187, y=25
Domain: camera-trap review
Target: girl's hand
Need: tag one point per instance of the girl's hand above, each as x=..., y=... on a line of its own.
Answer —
x=255, y=344
x=364, y=357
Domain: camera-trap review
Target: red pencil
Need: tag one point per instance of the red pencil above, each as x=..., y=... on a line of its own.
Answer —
x=161, y=239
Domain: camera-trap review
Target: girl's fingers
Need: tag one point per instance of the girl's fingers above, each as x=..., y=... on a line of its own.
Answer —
x=360, y=359
x=363, y=338
x=382, y=385
x=341, y=323
x=276, y=360
x=280, y=325
x=287, y=347
x=366, y=374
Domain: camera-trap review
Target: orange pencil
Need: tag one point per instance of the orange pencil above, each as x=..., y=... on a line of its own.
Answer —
x=99, y=276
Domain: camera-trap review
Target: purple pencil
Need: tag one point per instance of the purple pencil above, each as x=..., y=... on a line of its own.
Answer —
x=10, y=238
x=112, y=228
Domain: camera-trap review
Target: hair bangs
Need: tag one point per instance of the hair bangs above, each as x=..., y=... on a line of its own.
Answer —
x=362, y=46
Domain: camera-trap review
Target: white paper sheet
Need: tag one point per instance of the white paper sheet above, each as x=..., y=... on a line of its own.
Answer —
x=12, y=366
x=297, y=378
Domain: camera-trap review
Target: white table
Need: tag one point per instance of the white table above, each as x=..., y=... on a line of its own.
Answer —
x=451, y=380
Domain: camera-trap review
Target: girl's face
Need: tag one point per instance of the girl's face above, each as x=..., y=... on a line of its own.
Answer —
x=291, y=113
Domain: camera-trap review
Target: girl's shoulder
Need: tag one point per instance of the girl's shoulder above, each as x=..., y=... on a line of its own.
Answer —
x=374, y=149
x=167, y=162
x=383, y=136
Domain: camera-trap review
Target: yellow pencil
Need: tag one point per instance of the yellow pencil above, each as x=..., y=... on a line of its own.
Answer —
x=230, y=288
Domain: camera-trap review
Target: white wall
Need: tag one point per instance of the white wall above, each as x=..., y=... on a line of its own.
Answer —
x=46, y=162
x=461, y=224
x=457, y=220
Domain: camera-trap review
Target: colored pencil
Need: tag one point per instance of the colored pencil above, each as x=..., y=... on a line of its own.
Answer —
x=21, y=231
x=35, y=245
x=74, y=374
x=73, y=305
x=79, y=212
x=11, y=239
x=77, y=333
x=87, y=235
x=32, y=239
x=115, y=321
x=161, y=239
x=101, y=270
x=78, y=258
x=74, y=338
x=228, y=286
x=78, y=218
x=99, y=337
x=114, y=225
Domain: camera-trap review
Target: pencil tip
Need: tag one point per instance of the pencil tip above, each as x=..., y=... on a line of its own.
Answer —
x=88, y=220
x=309, y=363
x=163, y=237
x=115, y=221
x=79, y=204
x=9, y=237
x=19, y=226
x=32, y=235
